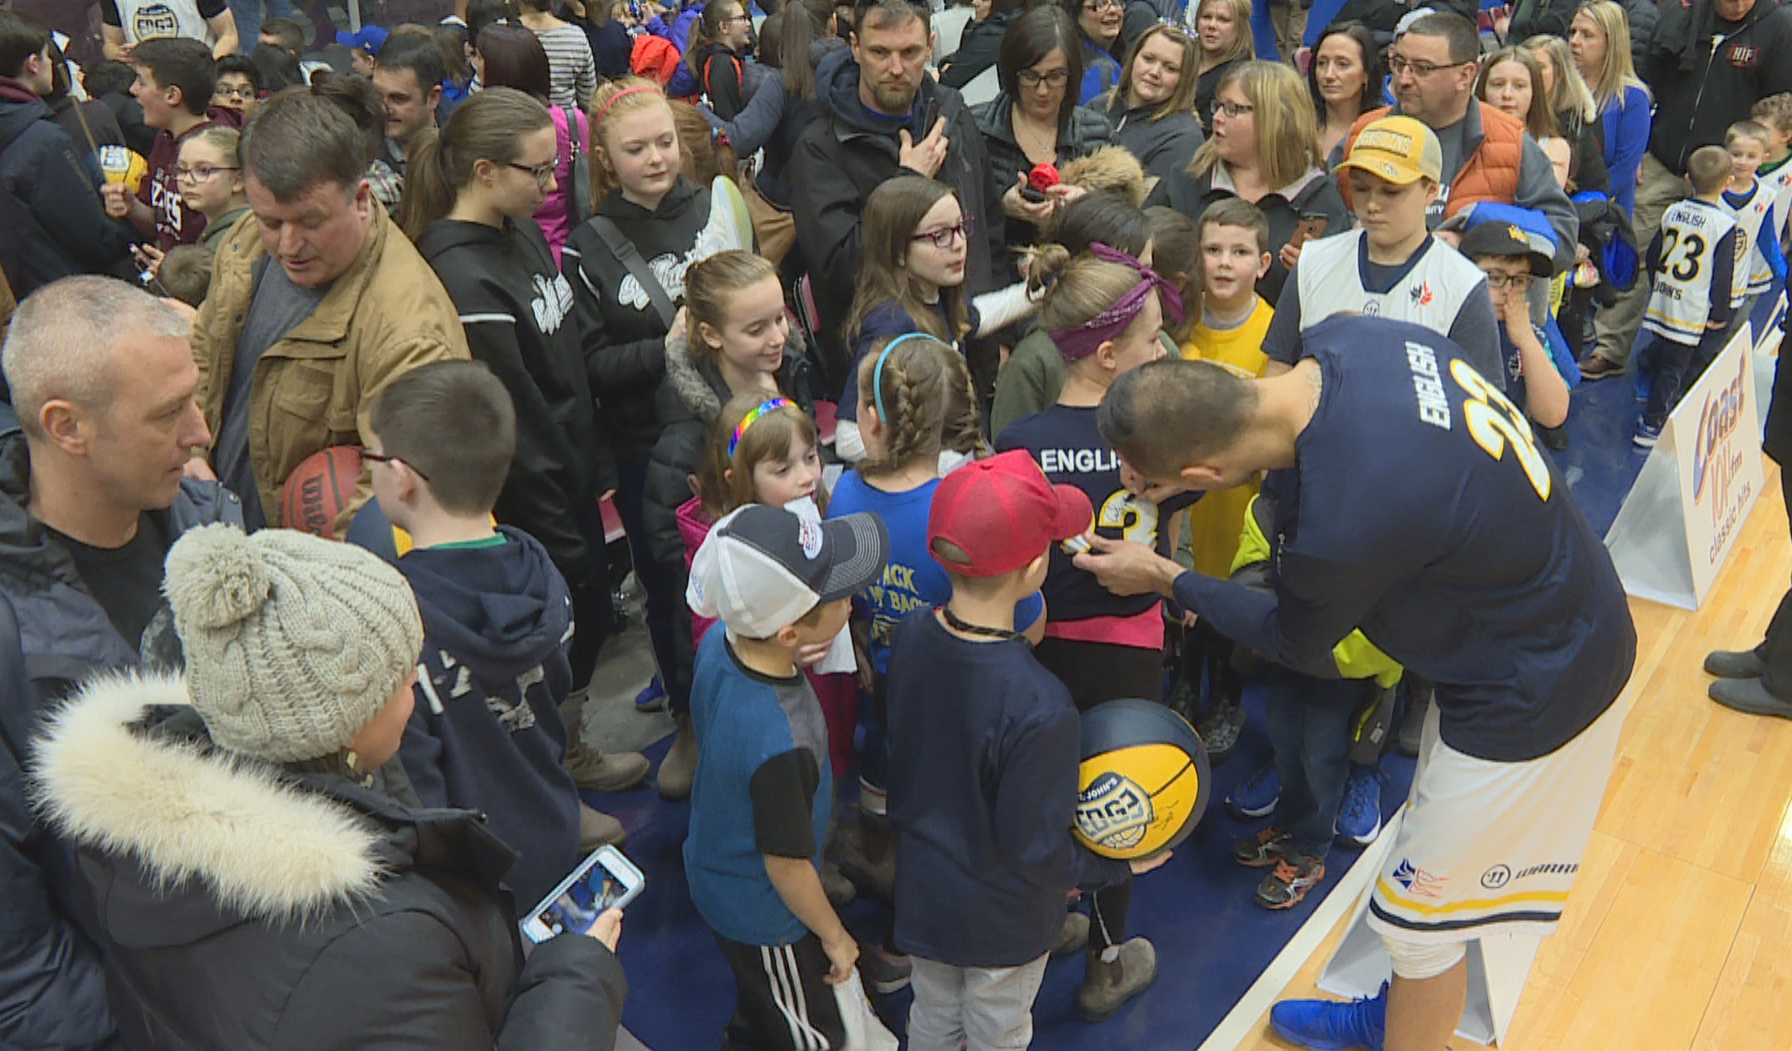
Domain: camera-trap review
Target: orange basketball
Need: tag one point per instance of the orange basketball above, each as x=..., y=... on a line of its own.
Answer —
x=319, y=488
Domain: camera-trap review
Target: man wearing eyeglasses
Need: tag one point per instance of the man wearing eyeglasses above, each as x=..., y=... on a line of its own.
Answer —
x=313, y=308
x=1487, y=155
x=881, y=115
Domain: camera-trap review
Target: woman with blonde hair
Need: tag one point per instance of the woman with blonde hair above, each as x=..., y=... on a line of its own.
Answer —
x=1153, y=106
x=1577, y=118
x=1264, y=149
x=1599, y=40
x=1222, y=31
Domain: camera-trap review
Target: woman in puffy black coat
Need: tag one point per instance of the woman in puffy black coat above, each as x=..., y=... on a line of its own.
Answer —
x=262, y=885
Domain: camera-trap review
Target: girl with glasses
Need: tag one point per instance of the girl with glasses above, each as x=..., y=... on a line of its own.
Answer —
x=211, y=182
x=719, y=45
x=911, y=279
x=470, y=193
x=1035, y=118
x=1153, y=106
x=509, y=56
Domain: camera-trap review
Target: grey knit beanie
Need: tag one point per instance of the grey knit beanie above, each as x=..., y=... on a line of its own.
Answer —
x=293, y=643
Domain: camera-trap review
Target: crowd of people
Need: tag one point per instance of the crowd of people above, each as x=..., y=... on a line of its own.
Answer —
x=1167, y=369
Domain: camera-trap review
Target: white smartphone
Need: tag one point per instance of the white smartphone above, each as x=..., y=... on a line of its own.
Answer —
x=604, y=880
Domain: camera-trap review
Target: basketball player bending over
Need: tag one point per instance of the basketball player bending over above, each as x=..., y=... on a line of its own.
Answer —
x=1413, y=503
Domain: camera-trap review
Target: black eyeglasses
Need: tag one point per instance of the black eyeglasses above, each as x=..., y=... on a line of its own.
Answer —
x=1057, y=78
x=373, y=457
x=944, y=236
x=542, y=172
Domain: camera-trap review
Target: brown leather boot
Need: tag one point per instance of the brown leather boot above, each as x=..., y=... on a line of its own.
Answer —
x=679, y=769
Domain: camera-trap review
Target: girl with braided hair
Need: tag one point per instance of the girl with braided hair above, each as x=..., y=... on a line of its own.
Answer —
x=918, y=420
x=1104, y=311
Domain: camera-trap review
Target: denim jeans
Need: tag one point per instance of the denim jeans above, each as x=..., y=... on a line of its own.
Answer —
x=1309, y=726
x=249, y=15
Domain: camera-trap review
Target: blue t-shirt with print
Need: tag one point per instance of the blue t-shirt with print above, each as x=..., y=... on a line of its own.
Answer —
x=912, y=579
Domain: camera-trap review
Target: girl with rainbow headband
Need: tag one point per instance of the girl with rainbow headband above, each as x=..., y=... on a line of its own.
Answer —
x=1104, y=311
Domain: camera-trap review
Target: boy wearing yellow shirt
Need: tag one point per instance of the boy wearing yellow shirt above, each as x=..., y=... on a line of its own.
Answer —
x=1234, y=239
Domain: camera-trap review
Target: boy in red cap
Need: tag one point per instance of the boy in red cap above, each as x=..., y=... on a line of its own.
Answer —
x=984, y=748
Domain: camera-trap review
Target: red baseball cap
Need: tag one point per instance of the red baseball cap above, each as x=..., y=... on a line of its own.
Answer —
x=1003, y=513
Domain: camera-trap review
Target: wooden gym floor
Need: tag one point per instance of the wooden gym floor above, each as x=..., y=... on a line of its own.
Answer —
x=1678, y=936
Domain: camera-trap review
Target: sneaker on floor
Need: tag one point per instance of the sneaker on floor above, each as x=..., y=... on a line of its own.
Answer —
x=653, y=697
x=1749, y=695
x=1359, y=815
x=1074, y=935
x=1257, y=796
x=597, y=829
x=1219, y=727
x=1289, y=882
x=883, y=970
x=1109, y=984
x=872, y=799
x=604, y=772
x=868, y=858
x=1645, y=436
x=1261, y=850
x=1735, y=664
x=1331, y=1025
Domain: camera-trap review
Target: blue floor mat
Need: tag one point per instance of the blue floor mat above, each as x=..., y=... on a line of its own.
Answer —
x=1212, y=942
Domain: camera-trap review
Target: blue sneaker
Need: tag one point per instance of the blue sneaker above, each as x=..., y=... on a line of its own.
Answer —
x=1359, y=815
x=1330, y=1025
x=652, y=698
x=1257, y=796
x=1645, y=436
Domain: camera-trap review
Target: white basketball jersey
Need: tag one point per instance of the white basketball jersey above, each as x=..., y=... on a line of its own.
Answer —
x=149, y=19
x=1681, y=302
x=1781, y=181
x=1751, y=216
x=1430, y=294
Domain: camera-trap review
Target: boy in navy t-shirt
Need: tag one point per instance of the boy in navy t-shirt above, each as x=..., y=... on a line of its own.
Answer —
x=984, y=747
x=763, y=791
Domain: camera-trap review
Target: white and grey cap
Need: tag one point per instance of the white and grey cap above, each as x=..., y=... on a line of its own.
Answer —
x=763, y=568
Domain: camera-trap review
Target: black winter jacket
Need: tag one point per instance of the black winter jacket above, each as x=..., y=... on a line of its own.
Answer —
x=847, y=153
x=624, y=338
x=1551, y=17
x=1314, y=195
x=978, y=49
x=61, y=227
x=1087, y=130
x=1706, y=73
x=518, y=313
x=54, y=634
x=243, y=907
x=1162, y=146
x=690, y=397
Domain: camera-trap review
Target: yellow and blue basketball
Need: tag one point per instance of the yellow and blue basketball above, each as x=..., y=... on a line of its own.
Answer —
x=1143, y=783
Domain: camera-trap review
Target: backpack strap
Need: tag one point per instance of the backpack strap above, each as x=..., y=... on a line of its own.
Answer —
x=630, y=257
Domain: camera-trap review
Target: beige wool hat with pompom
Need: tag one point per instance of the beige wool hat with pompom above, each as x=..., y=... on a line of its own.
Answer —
x=293, y=643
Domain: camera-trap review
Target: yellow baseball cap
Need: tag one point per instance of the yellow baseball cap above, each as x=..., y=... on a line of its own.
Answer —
x=1398, y=149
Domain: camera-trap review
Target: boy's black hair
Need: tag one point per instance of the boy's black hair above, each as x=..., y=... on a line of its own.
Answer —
x=105, y=77
x=21, y=36
x=419, y=54
x=180, y=62
x=453, y=422
x=241, y=65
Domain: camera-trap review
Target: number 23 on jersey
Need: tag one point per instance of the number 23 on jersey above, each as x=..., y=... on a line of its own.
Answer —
x=1496, y=425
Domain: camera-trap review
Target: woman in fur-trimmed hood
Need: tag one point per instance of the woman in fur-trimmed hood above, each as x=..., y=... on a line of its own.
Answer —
x=256, y=884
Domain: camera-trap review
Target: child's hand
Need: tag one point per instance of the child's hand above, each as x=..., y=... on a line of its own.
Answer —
x=843, y=953
x=117, y=200
x=607, y=928
x=1140, y=866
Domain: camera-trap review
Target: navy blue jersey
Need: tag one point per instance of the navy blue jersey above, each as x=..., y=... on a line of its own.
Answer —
x=1065, y=443
x=1421, y=509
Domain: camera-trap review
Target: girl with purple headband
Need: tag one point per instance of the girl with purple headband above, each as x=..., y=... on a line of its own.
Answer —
x=1103, y=310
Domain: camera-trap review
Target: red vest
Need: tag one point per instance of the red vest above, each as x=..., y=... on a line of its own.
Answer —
x=1490, y=173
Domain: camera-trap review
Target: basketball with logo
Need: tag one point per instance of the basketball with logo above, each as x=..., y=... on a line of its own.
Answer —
x=319, y=488
x=1144, y=779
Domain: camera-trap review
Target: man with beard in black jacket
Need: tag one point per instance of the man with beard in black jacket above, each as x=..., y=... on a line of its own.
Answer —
x=1709, y=62
x=881, y=116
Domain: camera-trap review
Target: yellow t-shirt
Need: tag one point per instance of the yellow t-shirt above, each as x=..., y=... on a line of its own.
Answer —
x=1212, y=524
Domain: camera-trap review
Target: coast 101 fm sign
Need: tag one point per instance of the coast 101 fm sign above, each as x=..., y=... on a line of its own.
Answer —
x=1717, y=442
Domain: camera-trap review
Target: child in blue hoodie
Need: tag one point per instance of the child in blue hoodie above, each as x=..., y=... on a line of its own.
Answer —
x=486, y=733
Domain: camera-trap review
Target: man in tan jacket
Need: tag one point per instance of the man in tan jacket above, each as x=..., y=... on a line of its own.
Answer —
x=317, y=301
